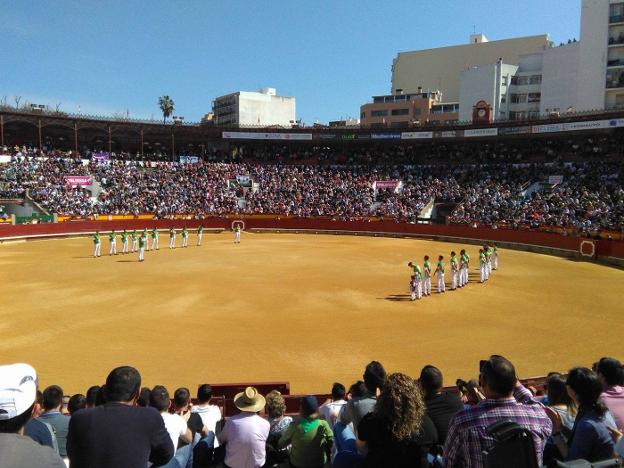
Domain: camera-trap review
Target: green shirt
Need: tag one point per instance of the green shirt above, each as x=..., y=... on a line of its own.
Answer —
x=495, y=249
x=124, y=236
x=111, y=236
x=482, y=257
x=184, y=232
x=171, y=233
x=199, y=230
x=441, y=267
x=237, y=229
x=142, y=241
x=154, y=233
x=453, y=263
x=427, y=267
x=133, y=235
x=96, y=238
x=309, y=441
x=464, y=258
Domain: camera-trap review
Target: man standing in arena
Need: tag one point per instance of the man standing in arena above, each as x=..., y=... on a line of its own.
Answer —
x=237, y=234
x=184, y=237
x=463, y=268
x=133, y=237
x=144, y=234
x=482, y=265
x=200, y=232
x=454, y=271
x=426, y=277
x=154, y=235
x=495, y=257
x=124, y=242
x=416, y=282
x=113, y=243
x=97, y=246
x=439, y=271
x=172, y=235
x=142, y=242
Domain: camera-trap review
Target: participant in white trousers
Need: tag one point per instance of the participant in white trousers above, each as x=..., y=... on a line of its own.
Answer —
x=463, y=268
x=112, y=237
x=185, y=236
x=482, y=265
x=237, y=231
x=495, y=257
x=124, y=242
x=426, y=283
x=142, y=242
x=154, y=235
x=97, y=245
x=135, y=245
x=172, y=236
x=200, y=233
x=454, y=271
x=439, y=271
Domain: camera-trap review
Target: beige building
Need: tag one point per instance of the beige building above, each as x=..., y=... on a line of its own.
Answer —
x=441, y=68
x=400, y=110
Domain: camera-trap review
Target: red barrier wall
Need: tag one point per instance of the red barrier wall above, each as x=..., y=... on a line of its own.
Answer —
x=602, y=247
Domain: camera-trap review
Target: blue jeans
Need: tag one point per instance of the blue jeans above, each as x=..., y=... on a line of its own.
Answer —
x=346, y=451
x=183, y=457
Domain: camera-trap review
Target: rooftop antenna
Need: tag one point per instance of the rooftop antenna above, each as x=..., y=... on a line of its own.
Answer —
x=474, y=29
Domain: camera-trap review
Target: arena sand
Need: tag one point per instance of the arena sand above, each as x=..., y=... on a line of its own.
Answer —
x=308, y=309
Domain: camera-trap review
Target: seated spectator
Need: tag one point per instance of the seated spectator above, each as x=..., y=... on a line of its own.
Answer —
x=52, y=404
x=118, y=433
x=505, y=399
x=40, y=431
x=76, y=402
x=18, y=392
x=91, y=396
x=246, y=433
x=275, y=408
x=439, y=406
x=589, y=438
x=182, y=406
x=358, y=407
x=144, y=397
x=397, y=433
x=310, y=438
x=611, y=375
x=559, y=400
x=210, y=414
x=330, y=410
x=174, y=423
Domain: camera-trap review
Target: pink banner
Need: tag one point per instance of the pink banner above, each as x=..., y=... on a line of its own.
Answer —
x=80, y=181
x=386, y=184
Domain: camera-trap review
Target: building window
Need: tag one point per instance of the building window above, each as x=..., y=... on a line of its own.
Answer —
x=518, y=98
x=362, y=115
x=535, y=97
x=616, y=13
x=400, y=111
x=535, y=79
x=379, y=113
x=534, y=114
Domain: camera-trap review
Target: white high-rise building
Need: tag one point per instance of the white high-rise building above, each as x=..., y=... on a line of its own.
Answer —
x=254, y=109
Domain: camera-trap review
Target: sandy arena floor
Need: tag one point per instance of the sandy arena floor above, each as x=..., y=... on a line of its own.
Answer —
x=307, y=309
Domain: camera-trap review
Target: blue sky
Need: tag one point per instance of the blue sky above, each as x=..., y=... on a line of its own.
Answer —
x=115, y=56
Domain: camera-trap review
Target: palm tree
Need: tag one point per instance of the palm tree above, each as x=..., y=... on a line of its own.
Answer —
x=167, y=106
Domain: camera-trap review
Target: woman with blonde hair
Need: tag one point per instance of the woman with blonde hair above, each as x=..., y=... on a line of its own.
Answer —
x=397, y=433
x=275, y=408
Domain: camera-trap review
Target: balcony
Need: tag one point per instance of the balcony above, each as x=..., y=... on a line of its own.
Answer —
x=617, y=41
x=615, y=19
x=614, y=63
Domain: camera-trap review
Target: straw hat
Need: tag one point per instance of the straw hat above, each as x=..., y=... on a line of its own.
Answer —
x=249, y=400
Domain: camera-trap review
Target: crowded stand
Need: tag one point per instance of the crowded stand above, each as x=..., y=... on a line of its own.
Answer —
x=386, y=419
x=487, y=184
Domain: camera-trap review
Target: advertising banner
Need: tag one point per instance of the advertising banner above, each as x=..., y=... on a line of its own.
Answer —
x=587, y=125
x=446, y=134
x=416, y=135
x=266, y=136
x=242, y=179
x=479, y=132
x=386, y=136
x=100, y=156
x=78, y=181
x=386, y=184
x=548, y=128
x=514, y=130
x=189, y=159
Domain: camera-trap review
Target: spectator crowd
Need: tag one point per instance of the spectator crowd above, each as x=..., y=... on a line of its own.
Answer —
x=384, y=420
x=491, y=185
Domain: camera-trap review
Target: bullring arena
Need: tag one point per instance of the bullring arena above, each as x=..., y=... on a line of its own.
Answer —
x=288, y=304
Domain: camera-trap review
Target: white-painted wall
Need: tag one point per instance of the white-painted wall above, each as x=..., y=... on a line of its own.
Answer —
x=592, y=55
x=484, y=83
x=265, y=109
x=560, y=78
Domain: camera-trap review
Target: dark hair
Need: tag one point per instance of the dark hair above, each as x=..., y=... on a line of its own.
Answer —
x=100, y=398
x=76, y=402
x=557, y=392
x=204, y=393
x=92, y=395
x=358, y=389
x=611, y=370
x=452, y=252
x=587, y=387
x=13, y=425
x=181, y=397
x=426, y=257
x=500, y=375
x=374, y=376
x=338, y=391
x=39, y=398
x=159, y=398
x=122, y=384
x=430, y=379
x=144, y=397
x=52, y=397
x=441, y=257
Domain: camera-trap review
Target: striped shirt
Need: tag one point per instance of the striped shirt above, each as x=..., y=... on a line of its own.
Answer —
x=467, y=437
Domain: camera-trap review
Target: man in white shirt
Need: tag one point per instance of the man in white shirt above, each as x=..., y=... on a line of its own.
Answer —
x=330, y=410
x=210, y=414
x=175, y=424
x=246, y=433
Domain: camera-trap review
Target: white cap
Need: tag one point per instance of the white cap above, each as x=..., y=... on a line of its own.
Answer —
x=18, y=389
